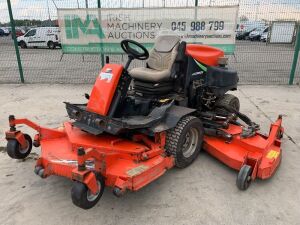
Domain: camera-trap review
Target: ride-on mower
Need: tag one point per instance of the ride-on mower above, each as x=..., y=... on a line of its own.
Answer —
x=138, y=123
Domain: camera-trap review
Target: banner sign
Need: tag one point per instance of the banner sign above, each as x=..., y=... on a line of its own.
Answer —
x=102, y=30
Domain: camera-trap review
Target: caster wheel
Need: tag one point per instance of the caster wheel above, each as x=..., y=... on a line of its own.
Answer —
x=118, y=192
x=14, y=149
x=243, y=180
x=37, y=169
x=83, y=197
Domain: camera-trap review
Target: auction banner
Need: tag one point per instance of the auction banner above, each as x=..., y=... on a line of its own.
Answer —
x=102, y=30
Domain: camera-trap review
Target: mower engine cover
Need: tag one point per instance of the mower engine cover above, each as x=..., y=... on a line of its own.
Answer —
x=205, y=54
x=104, y=89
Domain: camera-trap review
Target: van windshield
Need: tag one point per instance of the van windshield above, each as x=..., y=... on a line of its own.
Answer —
x=30, y=33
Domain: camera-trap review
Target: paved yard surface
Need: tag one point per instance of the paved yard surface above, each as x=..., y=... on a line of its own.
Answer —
x=203, y=193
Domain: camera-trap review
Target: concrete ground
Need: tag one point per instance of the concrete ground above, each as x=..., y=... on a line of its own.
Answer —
x=203, y=193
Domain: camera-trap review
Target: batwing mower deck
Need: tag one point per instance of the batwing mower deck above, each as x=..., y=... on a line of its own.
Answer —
x=125, y=140
x=130, y=164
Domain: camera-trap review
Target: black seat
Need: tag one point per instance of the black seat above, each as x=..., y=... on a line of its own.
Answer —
x=177, y=77
x=156, y=89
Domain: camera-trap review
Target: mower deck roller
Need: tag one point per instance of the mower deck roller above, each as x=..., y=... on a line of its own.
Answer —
x=126, y=138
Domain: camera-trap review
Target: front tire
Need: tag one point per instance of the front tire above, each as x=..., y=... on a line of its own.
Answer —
x=185, y=141
x=23, y=44
x=82, y=196
x=14, y=149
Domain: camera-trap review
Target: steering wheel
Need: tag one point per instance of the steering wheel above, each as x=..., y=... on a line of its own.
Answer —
x=134, y=51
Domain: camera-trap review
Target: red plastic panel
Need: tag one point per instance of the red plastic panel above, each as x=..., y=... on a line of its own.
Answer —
x=104, y=89
x=204, y=53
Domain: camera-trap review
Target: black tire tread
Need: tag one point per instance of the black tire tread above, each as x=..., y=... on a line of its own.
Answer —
x=244, y=172
x=51, y=42
x=79, y=190
x=23, y=44
x=10, y=148
x=13, y=147
x=226, y=100
x=173, y=136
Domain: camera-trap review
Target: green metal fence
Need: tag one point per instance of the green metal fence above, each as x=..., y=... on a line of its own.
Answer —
x=257, y=62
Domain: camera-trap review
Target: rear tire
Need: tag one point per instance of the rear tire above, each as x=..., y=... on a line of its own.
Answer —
x=81, y=195
x=51, y=45
x=227, y=100
x=185, y=141
x=14, y=149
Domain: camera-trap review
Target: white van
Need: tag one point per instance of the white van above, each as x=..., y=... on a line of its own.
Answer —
x=40, y=37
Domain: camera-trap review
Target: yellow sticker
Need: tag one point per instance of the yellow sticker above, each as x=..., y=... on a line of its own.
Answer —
x=137, y=170
x=272, y=154
x=164, y=100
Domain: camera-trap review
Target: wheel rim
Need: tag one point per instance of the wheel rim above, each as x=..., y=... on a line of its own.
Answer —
x=190, y=142
x=92, y=197
x=25, y=150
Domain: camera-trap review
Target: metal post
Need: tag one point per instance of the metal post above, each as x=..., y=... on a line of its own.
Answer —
x=13, y=30
x=102, y=55
x=257, y=9
x=196, y=2
x=49, y=14
x=296, y=55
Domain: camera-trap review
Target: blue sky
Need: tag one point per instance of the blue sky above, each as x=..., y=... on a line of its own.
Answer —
x=261, y=9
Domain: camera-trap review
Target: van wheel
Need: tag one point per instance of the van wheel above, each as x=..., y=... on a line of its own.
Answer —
x=23, y=44
x=51, y=45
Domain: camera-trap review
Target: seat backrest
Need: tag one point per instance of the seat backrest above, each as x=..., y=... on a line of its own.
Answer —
x=164, y=52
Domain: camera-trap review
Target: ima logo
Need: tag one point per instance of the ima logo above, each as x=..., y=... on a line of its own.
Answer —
x=89, y=26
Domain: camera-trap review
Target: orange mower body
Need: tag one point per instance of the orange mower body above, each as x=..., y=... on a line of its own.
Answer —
x=136, y=124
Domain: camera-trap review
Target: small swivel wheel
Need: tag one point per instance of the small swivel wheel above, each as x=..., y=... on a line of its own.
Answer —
x=83, y=197
x=14, y=149
x=243, y=180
